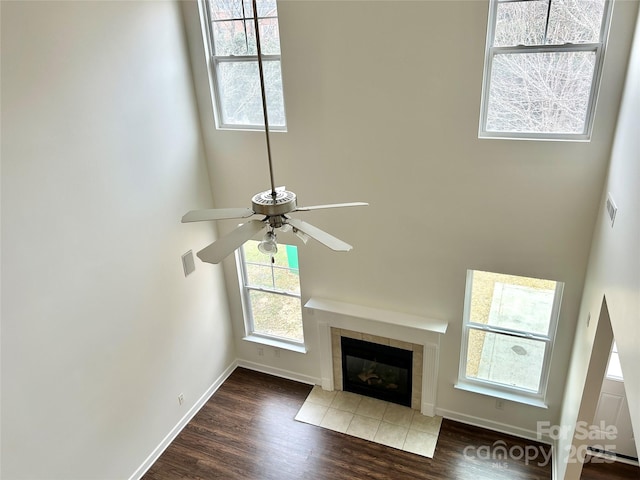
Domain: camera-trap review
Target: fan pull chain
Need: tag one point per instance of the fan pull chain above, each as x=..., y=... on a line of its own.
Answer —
x=264, y=98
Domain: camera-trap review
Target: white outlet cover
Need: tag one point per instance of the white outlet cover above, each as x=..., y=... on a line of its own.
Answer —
x=188, y=264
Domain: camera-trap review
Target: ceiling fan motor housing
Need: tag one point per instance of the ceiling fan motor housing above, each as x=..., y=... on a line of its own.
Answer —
x=264, y=203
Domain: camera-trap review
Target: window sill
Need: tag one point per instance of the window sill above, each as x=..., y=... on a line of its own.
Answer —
x=542, y=137
x=272, y=342
x=230, y=127
x=510, y=396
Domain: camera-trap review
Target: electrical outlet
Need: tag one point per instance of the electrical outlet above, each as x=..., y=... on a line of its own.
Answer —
x=277, y=352
x=499, y=404
x=260, y=351
x=180, y=399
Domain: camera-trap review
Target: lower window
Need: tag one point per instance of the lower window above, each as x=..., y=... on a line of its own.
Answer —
x=270, y=288
x=508, y=332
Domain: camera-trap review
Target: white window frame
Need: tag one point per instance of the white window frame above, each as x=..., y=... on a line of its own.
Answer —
x=251, y=334
x=213, y=62
x=490, y=51
x=499, y=390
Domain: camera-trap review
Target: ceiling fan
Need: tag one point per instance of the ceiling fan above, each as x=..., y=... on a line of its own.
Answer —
x=274, y=204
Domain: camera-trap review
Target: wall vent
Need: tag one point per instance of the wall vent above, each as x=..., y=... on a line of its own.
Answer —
x=611, y=208
x=188, y=264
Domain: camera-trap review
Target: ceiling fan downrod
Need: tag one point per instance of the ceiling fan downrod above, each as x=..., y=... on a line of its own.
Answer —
x=275, y=204
x=264, y=97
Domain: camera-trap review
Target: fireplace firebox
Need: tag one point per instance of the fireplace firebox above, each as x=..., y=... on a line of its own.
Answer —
x=378, y=371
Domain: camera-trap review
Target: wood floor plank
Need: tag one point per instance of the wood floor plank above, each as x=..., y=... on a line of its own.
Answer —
x=596, y=469
x=247, y=431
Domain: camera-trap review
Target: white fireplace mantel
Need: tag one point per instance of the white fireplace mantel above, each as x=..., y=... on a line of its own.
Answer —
x=382, y=323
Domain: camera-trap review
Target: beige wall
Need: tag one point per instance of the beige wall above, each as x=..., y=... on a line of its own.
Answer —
x=101, y=156
x=382, y=102
x=614, y=267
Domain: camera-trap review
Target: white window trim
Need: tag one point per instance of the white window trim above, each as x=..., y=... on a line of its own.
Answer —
x=212, y=62
x=490, y=51
x=250, y=334
x=486, y=387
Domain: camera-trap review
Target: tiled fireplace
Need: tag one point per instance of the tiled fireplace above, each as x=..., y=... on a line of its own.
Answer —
x=381, y=388
x=419, y=335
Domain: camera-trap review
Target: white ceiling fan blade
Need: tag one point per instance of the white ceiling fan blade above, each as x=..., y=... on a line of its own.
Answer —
x=331, y=205
x=216, y=214
x=320, y=235
x=224, y=246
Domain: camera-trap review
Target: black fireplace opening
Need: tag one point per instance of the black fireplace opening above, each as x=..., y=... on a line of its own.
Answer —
x=378, y=371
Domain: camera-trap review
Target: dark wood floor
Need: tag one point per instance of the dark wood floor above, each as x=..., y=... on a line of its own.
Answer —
x=595, y=469
x=247, y=431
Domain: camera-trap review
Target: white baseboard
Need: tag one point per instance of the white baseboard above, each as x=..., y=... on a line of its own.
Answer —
x=278, y=372
x=287, y=374
x=166, y=441
x=507, y=429
x=428, y=409
x=491, y=425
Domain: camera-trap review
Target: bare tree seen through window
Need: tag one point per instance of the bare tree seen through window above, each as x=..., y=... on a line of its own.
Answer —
x=235, y=54
x=543, y=61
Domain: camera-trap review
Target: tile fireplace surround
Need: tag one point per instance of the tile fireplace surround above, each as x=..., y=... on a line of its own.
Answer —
x=419, y=334
x=336, y=350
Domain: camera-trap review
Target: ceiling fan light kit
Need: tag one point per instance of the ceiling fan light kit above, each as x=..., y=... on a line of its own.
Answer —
x=268, y=245
x=274, y=204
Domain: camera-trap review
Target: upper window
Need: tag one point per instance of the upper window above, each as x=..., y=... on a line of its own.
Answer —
x=508, y=333
x=271, y=294
x=234, y=63
x=542, y=68
x=614, y=370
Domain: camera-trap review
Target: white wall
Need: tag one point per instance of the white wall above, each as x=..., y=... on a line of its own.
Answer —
x=101, y=156
x=383, y=103
x=614, y=266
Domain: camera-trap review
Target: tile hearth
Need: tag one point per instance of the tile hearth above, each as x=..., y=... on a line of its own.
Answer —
x=371, y=419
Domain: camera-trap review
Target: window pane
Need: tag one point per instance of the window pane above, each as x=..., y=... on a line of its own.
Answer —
x=521, y=308
x=540, y=92
x=276, y=315
x=614, y=369
x=517, y=303
x=269, y=36
x=227, y=9
x=575, y=21
x=266, y=8
x=234, y=37
x=504, y=359
x=287, y=280
x=259, y=276
x=240, y=99
x=520, y=23
x=238, y=37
